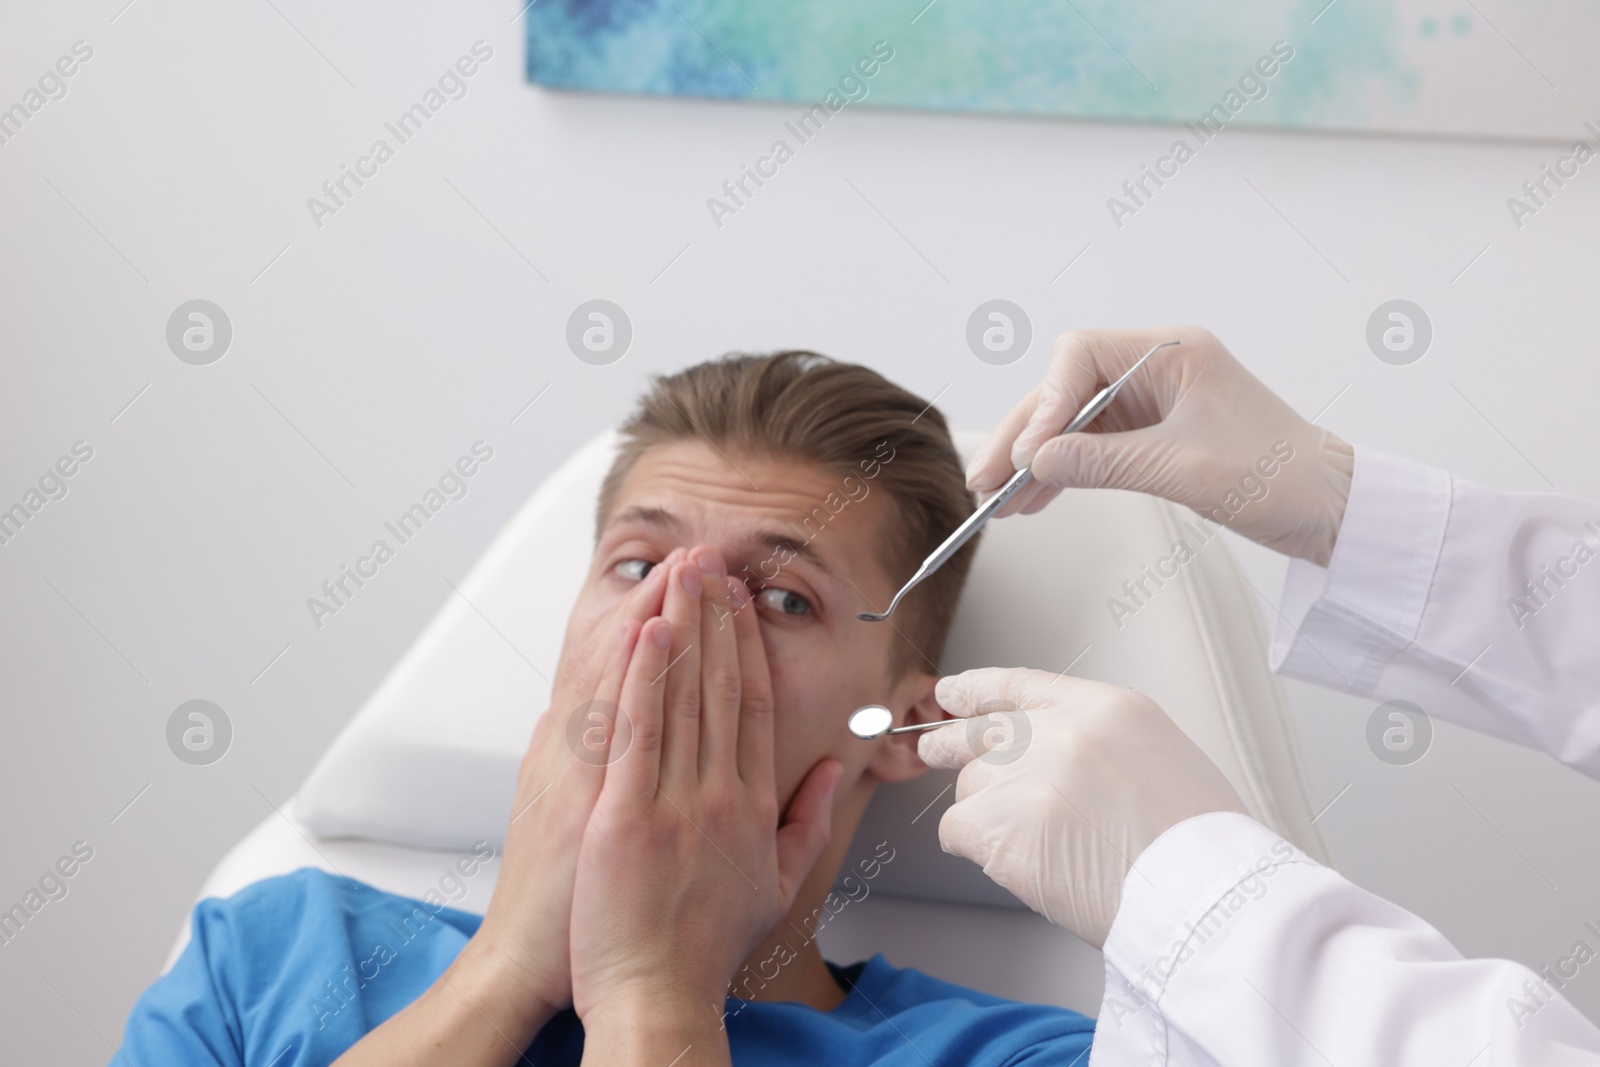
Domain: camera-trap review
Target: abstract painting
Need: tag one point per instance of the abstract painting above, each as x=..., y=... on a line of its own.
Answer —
x=1458, y=67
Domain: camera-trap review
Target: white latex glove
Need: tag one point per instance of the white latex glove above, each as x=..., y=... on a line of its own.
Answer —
x=1193, y=426
x=1057, y=804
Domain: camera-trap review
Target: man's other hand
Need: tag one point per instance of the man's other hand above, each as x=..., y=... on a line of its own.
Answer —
x=684, y=865
x=524, y=938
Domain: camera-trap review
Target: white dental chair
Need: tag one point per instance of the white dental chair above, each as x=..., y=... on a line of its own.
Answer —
x=427, y=767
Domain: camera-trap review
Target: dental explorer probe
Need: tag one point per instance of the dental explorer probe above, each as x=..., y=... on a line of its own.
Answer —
x=941, y=555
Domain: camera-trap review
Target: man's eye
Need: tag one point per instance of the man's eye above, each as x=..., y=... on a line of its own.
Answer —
x=633, y=569
x=785, y=602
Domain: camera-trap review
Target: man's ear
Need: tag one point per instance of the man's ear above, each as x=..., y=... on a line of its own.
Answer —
x=896, y=759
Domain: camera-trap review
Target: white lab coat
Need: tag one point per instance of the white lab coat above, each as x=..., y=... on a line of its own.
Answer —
x=1232, y=947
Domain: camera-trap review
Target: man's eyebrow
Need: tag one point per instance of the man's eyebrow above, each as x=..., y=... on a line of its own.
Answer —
x=780, y=542
x=774, y=540
x=649, y=514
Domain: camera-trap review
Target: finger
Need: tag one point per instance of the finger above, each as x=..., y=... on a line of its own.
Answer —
x=981, y=689
x=960, y=694
x=961, y=835
x=1076, y=370
x=980, y=774
x=680, y=743
x=1039, y=500
x=1021, y=500
x=1102, y=461
x=720, y=682
x=991, y=465
x=582, y=660
x=644, y=600
x=945, y=748
x=806, y=826
x=756, y=702
x=631, y=779
x=1084, y=362
x=601, y=717
x=669, y=559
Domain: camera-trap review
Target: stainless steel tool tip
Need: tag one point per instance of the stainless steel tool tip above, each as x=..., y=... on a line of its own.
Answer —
x=1018, y=481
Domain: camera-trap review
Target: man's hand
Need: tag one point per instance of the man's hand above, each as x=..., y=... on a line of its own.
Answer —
x=684, y=866
x=1193, y=426
x=525, y=938
x=1104, y=773
x=515, y=973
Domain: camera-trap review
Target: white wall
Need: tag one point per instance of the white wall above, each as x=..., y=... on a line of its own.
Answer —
x=375, y=350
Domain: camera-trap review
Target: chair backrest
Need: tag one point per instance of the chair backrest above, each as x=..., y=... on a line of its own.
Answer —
x=430, y=760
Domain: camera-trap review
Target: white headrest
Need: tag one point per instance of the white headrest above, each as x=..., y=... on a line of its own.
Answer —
x=430, y=760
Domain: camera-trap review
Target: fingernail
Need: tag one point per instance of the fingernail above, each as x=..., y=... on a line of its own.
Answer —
x=662, y=636
x=736, y=593
x=710, y=561
x=689, y=578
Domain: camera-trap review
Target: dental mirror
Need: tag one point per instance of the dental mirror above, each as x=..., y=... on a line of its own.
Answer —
x=872, y=721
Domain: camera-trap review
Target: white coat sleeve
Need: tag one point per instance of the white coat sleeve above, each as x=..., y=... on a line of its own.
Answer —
x=1480, y=607
x=1233, y=947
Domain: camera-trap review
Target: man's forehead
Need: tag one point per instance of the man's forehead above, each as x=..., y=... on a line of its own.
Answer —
x=692, y=490
x=695, y=482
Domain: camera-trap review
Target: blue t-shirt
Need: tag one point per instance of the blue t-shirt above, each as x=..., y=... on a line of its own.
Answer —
x=293, y=970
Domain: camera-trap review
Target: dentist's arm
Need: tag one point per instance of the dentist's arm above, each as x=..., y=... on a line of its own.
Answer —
x=1478, y=605
x=1224, y=944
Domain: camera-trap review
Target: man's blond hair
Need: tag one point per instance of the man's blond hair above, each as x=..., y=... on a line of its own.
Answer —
x=843, y=418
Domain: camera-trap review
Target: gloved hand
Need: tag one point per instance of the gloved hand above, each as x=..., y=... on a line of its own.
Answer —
x=1193, y=426
x=1058, y=816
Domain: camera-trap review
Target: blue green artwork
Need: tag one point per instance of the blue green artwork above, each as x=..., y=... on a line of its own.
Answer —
x=1435, y=66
